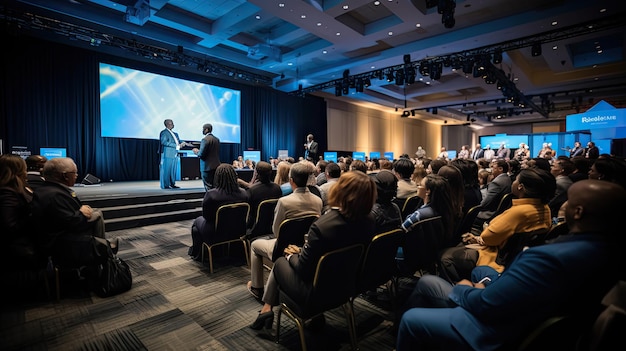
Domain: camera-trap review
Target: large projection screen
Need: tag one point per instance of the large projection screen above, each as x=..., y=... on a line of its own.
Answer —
x=135, y=103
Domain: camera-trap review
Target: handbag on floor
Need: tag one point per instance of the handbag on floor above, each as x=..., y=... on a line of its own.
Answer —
x=114, y=277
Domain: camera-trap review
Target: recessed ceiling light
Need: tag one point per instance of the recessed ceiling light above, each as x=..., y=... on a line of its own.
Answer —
x=302, y=16
x=390, y=33
x=319, y=24
x=418, y=25
x=289, y=63
x=338, y=34
x=554, y=23
x=376, y=3
x=372, y=67
x=602, y=10
x=280, y=4
x=345, y=7
x=427, y=83
x=257, y=17
x=324, y=51
x=600, y=51
x=555, y=47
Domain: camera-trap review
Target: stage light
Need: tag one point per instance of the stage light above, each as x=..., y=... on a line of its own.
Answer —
x=367, y=82
x=497, y=56
x=390, y=76
x=359, y=85
x=424, y=68
x=337, y=89
x=536, y=49
x=405, y=114
x=407, y=58
x=399, y=78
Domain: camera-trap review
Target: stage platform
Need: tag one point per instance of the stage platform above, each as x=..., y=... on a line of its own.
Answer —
x=139, y=203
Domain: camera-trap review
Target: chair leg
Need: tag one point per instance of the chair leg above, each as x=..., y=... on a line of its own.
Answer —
x=246, y=252
x=347, y=307
x=210, y=259
x=299, y=323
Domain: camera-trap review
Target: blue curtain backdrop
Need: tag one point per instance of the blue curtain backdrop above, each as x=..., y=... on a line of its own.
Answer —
x=50, y=97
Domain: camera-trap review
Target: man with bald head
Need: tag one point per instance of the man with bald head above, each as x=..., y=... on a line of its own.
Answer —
x=209, y=154
x=570, y=274
x=63, y=222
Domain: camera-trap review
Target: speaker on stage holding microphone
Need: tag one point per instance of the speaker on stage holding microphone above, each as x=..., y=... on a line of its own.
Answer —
x=310, y=149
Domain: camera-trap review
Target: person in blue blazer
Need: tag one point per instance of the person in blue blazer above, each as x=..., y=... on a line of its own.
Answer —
x=170, y=144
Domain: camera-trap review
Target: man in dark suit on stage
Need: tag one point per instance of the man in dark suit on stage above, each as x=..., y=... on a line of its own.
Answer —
x=592, y=151
x=310, y=149
x=170, y=144
x=209, y=154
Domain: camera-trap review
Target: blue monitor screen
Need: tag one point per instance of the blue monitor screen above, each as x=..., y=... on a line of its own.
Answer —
x=358, y=155
x=53, y=152
x=510, y=141
x=254, y=156
x=389, y=155
x=330, y=156
x=451, y=154
x=374, y=154
x=135, y=103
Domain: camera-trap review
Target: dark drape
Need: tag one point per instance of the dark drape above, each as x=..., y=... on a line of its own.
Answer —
x=50, y=97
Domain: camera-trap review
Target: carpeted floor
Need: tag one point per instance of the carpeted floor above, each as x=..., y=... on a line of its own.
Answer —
x=174, y=304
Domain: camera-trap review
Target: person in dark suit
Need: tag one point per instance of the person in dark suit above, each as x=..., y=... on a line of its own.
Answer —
x=346, y=223
x=310, y=149
x=577, y=150
x=571, y=274
x=64, y=224
x=498, y=187
x=478, y=152
x=209, y=154
x=170, y=144
x=34, y=166
x=226, y=191
x=592, y=151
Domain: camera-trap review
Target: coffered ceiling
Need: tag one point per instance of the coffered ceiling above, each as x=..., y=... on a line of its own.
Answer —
x=348, y=49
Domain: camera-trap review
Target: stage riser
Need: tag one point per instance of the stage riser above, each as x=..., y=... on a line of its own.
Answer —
x=125, y=212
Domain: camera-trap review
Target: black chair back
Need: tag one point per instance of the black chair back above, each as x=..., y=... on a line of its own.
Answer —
x=230, y=226
x=263, y=220
x=379, y=264
x=291, y=232
x=465, y=224
x=516, y=244
x=422, y=243
x=409, y=205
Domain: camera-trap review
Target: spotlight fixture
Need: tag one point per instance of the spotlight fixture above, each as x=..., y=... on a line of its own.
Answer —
x=390, y=76
x=399, y=78
x=359, y=85
x=405, y=114
x=367, y=82
x=338, y=89
x=536, y=49
x=497, y=56
x=407, y=58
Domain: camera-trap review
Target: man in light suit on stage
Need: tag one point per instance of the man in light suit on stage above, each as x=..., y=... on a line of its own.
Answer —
x=209, y=154
x=170, y=144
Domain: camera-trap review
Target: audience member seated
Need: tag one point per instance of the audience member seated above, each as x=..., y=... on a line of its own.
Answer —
x=320, y=167
x=529, y=212
x=262, y=189
x=34, y=166
x=436, y=193
x=226, y=191
x=15, y=221
x=300, y=202
x=65, y=227
x=581, y=168
x=471, y=187
x=358, y=165
x=561, y=169
x=434, y=165
x=499, y=186
x=348, y=222
x=457, y=189
x=544, y=281
x=282, y=177
x=403, y=169
x=385, y=212
x=333, y=172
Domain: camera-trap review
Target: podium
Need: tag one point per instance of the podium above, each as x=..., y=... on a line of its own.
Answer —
x=188, y=167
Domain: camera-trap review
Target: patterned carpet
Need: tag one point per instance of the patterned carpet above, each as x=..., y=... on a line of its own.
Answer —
x=174, y=304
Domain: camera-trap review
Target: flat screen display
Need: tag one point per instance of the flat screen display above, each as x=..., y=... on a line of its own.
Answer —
x=53, y=152
x=358, y=155
x=134, y=104
x=510, y=141
x=330, y=156
x=254, y=156
x=389, y=155
x=374, y=154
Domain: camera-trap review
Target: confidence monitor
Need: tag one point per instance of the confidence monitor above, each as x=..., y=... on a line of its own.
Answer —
x=53, y=152
x=254, y=156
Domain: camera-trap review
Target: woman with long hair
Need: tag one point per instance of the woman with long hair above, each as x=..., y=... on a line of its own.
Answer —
x=347, y=222
x=226, y=191
x=15, y=198
x=282, y=177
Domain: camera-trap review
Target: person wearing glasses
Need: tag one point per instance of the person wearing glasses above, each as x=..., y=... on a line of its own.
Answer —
x=64, y=225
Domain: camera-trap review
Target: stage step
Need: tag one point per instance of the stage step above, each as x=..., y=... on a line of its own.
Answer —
x=137, y=211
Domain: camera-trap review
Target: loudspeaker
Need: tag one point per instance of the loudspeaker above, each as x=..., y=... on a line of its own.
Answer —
x=90, y=180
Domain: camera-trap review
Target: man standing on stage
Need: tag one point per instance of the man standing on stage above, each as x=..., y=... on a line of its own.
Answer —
x=209, y=154
x=310, y=149
x=170, y=144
